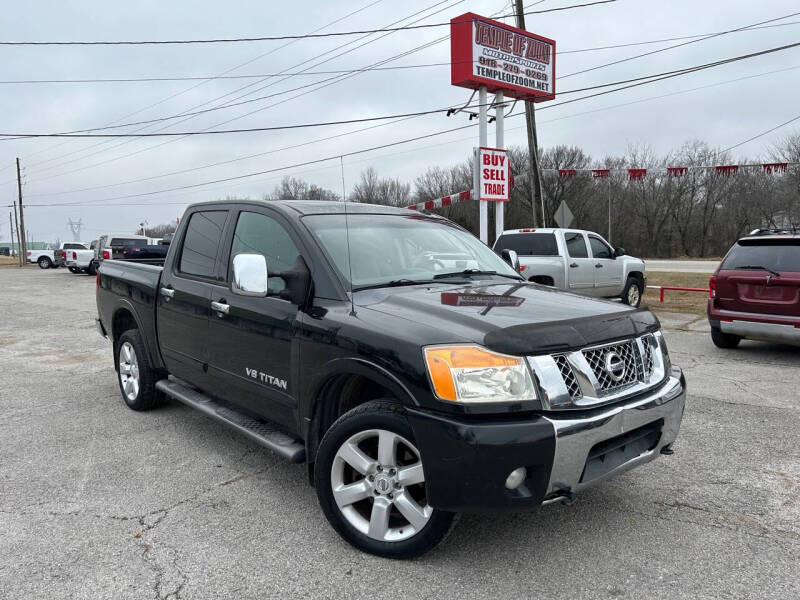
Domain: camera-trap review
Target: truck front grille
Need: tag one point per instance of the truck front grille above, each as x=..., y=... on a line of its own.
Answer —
x=625, y=354
x=570, y=380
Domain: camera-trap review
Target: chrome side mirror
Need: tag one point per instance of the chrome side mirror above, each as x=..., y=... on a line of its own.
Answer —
x=511, y=257
x=250, y=275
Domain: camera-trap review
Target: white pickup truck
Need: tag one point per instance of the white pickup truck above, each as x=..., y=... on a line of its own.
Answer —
x=79, y=260
x=576, y=261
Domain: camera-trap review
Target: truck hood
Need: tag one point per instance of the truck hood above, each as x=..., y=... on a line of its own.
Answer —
x=510, y=317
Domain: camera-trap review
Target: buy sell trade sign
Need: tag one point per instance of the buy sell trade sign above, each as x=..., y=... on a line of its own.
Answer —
x=484, y=52
x=494, y=174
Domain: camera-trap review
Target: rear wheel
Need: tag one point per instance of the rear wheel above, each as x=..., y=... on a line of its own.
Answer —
x=44, y=262
x=136, y=376
x=371, y=484
x=632, y=293
x=92, y=268
x=724, y=340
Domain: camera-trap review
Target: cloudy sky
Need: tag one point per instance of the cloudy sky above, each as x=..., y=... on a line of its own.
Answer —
x=109, y=184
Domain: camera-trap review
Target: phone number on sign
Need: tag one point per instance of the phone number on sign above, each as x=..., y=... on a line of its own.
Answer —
x=492, y=63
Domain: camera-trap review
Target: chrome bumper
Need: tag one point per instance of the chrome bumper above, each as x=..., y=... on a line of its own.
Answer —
x=575, y=437
x=767, y=332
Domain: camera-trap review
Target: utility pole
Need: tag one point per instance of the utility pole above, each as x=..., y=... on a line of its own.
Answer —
x=23, y=250
x=11, y=229
x=19, y=243
x=533, y=142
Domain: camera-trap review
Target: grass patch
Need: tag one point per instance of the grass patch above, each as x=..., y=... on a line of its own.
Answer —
x=682, y=302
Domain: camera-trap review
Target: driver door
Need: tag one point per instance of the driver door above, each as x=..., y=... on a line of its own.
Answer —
x=252, y=345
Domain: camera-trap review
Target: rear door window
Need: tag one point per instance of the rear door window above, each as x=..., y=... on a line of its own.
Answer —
x=201, y=242
x=529, y=244
x=774, y=255
x=576, y=246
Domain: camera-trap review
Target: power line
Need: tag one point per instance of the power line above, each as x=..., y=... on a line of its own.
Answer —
x=310, y=162
x=654, y=77
x=762, y=134
x=281, y=37
x=708, y=37
x=345, y=71
x=339, y=47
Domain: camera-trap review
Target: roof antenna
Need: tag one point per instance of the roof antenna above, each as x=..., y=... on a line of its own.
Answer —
x=347, y=235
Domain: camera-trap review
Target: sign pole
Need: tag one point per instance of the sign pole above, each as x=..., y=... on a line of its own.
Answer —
x=499, y=207
x=482, y=142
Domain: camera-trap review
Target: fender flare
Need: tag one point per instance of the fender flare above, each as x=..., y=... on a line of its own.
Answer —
x=127, y=305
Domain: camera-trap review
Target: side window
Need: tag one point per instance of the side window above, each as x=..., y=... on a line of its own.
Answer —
x=576, y=247
x=201, y=242
x=259, y=234
x=599, y=248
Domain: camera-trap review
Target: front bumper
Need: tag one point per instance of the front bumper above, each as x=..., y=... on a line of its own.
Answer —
x=467, y=461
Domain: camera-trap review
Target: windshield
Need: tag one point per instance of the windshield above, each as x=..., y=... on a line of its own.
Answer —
x=772, y=255
x=395, y=248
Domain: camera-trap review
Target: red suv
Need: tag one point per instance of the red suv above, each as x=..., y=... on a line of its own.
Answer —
x=755, y=292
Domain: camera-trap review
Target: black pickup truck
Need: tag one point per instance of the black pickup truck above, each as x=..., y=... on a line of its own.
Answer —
x=413, y=369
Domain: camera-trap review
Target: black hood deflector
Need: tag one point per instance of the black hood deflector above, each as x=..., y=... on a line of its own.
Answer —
x=571, y=334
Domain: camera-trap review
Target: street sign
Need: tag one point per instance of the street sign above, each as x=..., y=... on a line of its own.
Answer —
x=494, y=174
x=563, y=215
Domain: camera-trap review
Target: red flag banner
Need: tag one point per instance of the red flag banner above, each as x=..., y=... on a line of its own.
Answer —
x=677, y=171
x=775, y=167
x=566, y=173
x=636, y=173
x=601, y=173
x=727, y=169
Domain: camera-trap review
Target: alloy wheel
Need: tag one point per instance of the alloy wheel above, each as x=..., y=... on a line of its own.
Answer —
x=129, y=371
x=379, y=485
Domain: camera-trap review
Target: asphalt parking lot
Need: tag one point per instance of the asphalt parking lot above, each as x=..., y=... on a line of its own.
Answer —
x=97, y=501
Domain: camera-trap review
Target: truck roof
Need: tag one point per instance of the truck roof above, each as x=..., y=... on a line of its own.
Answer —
x=544, y=230
x=317, y=207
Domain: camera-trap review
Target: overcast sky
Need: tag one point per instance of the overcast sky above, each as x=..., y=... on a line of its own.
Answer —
x=55, y=170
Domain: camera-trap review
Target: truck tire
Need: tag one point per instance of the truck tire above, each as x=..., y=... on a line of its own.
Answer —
x=44, y=262
x=135, y=375
x=724, y=340
x=632, y=292
x=91, y=269
x=376, y=500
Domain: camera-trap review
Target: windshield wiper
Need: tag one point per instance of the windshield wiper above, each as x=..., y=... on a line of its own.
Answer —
x=393, y=283
x=474, y=272
x=758, y=268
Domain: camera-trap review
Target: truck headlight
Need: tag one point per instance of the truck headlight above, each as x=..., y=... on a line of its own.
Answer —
x=470, y=374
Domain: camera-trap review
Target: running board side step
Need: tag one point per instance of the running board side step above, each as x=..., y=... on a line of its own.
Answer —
x=261, y=432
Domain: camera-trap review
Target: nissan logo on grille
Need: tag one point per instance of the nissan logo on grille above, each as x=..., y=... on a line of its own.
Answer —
x=615, y=366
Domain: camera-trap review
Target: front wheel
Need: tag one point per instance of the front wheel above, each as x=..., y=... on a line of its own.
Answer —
x=370, y=482
x=44, y=262
x=92, y=268
x=632, y=293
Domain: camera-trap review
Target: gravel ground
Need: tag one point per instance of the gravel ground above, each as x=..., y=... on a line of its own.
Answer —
x=97, y=501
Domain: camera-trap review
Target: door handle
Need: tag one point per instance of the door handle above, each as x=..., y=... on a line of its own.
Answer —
x=221, y=307
x=598, y=266
x=573, y=266
x=167, y=292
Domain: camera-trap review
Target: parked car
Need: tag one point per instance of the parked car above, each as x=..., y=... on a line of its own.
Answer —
x=576, y=261
x=755, y=291
x=46, y=259
x=156, y=251
x=79, y=260
x=411, y=391
x=112, y=246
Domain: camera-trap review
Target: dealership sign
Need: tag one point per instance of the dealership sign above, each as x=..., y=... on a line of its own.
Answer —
x=488, y=53
x=493, y=175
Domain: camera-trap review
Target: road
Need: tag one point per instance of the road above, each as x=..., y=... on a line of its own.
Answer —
x=682, y=266
x=97, y=501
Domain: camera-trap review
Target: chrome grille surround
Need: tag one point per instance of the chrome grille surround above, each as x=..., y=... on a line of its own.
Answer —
x=581, y=379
